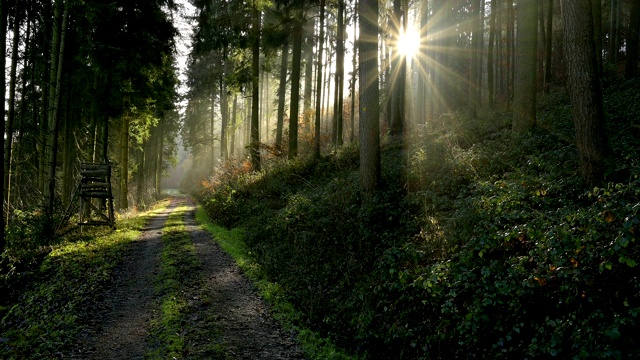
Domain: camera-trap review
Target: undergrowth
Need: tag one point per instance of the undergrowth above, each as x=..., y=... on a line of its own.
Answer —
x=485, y=244
x=232, y=242
x=48, y=303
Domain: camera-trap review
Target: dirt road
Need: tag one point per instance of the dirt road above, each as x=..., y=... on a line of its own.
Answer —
x=223, y=317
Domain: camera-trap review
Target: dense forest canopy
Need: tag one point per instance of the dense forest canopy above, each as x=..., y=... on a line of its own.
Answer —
x=96, y=81
x=272, y=82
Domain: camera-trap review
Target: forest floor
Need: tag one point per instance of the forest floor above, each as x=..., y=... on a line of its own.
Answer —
x=220, y=315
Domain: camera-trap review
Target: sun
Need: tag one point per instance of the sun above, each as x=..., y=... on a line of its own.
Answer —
x=409, y=42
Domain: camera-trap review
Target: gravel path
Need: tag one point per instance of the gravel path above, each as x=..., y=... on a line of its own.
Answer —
x=224, y=300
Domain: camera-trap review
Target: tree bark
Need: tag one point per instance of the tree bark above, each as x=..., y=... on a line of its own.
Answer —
x=475, y=50
x=596, y=8
x=369, y=106
x=12, y=111
x=398, y=76
x=124, y=163
x=584, y=90
x=339, y=78
x=633, y=37
x=490, y=55
x=316, y=142
x=295, y=90
x=524, y=91
x=423, y=70
x=254, y=148
x=234, y=119
x=354, y=66
x=54, y=118
x=282, y=89
x=224, y=109
x=308, y=76
x=614, y=45
x=3, y=39
x=549, y=48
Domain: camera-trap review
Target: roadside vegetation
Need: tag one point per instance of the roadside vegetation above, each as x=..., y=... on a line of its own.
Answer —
x=49, y=290
x=481, y=243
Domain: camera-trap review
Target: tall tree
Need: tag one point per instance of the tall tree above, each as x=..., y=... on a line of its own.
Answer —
x=12, y=106
x=295, y=88
x=614, y=31
x=524, y=91
x=57, y=55
x=596, y=8
x=316, y=143
x=308, y=74
x=398, y=74
x=549, y=48
x=254, y=148
x=3, y=39
x=584, y=90
x=633, y=37
x=490, y=52
x=282, y=91
x=477, y=32
x=369, y=97
x=354, y=66
x=339, y=76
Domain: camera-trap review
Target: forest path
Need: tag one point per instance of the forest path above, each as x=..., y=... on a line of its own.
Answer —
x=220, y=315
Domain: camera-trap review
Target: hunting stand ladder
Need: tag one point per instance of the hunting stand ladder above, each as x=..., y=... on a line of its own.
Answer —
x=95, y=183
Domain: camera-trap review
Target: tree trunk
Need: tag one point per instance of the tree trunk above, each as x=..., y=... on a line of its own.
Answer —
x=12, y=111
x=584, y=90
x=3, y=39
x=596, y=8
x=54, y=118
x=369, y=106
x=282, y=92
x=68, y=157
x=295, y=90
x=339, y=78
x=212, y=160
x=124, y=163
x=423, y=66
x=614, y=45
x=224, y=109
x=549, y=48
x=316, y=143
x=159, y=160
x=354, y=66
x=633, y=35
x=254, y=148
x=475, y=50
x=398, y=76
x=511, y=53
x=524, y=91
x=141, y=177
x=490, y=50
x=234, y=118
x=308, y=75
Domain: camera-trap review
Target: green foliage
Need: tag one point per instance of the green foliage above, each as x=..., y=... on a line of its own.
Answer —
x=497, y=250
x=232, y=242
x=41, y=317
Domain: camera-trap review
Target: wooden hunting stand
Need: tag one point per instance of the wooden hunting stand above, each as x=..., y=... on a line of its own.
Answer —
x=95, y=183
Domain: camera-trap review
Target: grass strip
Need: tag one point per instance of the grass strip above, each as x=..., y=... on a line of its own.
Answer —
x=180, y=298
x=232, y=242
x=45, y=317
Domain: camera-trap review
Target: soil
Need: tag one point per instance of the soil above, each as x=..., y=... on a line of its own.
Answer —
x=224, y=300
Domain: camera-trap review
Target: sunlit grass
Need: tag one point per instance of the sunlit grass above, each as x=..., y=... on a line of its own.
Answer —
x=45, y=317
